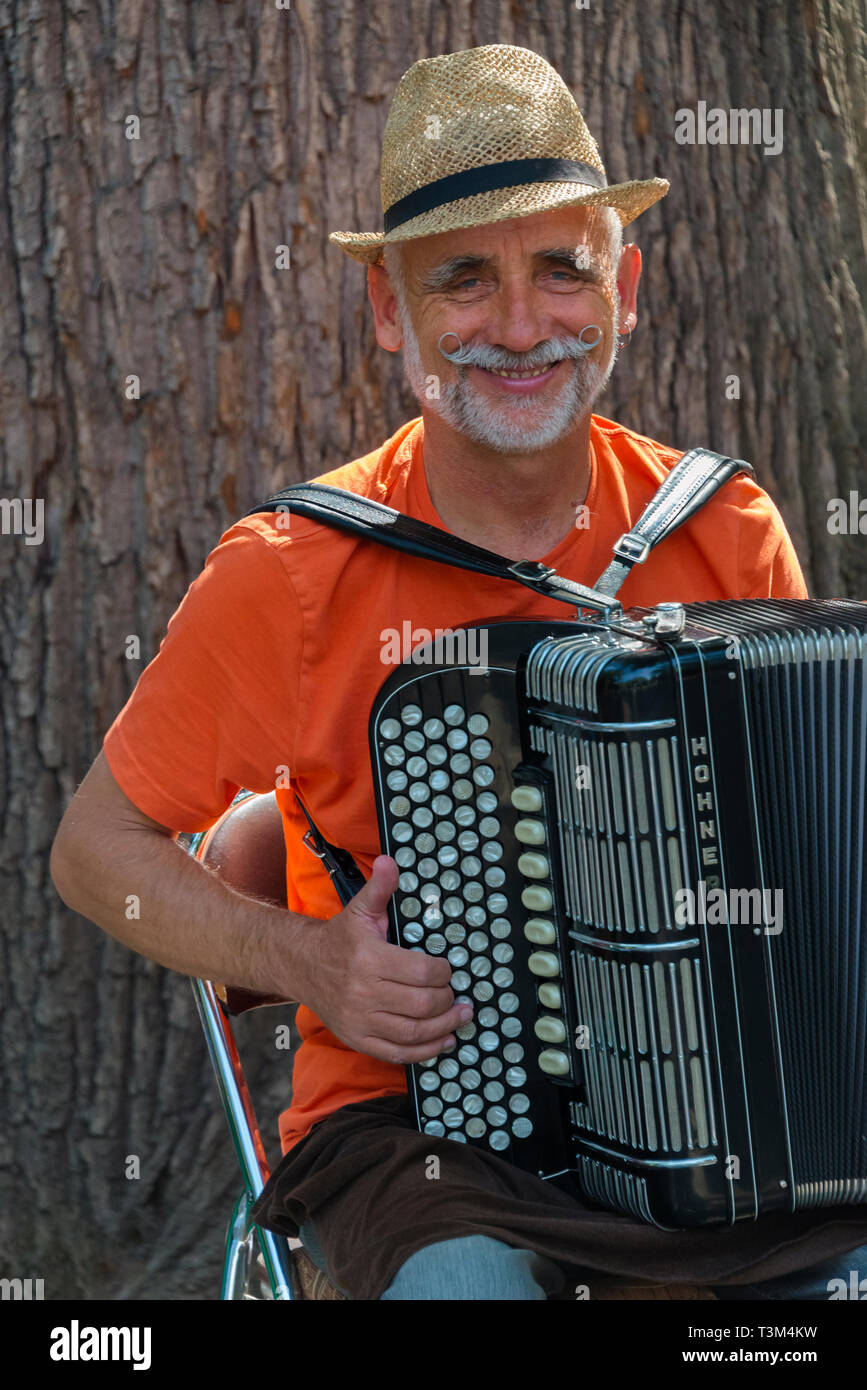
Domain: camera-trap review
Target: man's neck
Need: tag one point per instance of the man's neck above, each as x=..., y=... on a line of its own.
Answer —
x=519, y=505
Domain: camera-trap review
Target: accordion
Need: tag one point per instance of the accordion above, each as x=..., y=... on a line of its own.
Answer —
x=640, y=844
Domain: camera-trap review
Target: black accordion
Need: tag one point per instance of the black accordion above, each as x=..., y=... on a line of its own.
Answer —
x=641, y=846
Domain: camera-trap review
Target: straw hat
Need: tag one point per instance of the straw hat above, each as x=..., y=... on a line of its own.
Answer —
x=483, y=135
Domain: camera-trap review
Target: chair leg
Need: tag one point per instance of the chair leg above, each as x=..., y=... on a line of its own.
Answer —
x=245, y=1244
x=276, y=1254
x=240, y=1251
x=238, y=1105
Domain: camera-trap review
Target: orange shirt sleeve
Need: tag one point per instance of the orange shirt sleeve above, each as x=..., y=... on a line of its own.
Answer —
x=767, y=564
x=217, y=707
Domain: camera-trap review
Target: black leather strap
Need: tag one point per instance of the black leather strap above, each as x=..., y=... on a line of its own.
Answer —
x=333, y=506
x=692, y=481
x=342, y=868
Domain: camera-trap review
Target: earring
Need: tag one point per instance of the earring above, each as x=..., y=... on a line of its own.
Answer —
x=624, y=339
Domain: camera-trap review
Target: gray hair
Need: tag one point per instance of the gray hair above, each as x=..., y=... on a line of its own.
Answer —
x=392, y=256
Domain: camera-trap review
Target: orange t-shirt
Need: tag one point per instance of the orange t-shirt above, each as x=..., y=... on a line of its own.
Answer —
x=272, y=661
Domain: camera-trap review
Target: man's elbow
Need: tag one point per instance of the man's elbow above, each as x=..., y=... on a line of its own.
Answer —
x=61, y=864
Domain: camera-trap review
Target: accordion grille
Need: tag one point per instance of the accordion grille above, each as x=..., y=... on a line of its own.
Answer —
x=807, y=705
x=621, y=828
x=614, y=1188
x=647, y=1057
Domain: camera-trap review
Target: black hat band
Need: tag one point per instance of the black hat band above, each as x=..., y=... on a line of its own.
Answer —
x=507, y=173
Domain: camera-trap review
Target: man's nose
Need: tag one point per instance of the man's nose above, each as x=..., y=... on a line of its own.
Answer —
x=518, y=321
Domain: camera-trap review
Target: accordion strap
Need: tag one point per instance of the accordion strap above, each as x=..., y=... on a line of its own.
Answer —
x=334, y=506
x=692, y=481
x=342, y=868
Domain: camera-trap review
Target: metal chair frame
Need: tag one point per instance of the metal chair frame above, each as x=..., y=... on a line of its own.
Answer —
x=243, y=1238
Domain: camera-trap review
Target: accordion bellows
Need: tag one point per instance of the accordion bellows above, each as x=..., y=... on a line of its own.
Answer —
x=642, y=852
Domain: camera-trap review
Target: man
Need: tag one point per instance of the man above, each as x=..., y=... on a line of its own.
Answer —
x=507, y=288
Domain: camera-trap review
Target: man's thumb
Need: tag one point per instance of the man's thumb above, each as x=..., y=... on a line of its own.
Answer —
x=372, y=901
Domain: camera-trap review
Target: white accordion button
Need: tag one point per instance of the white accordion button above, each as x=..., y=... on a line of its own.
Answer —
x=550, y=1030
x=549, y=995
x=553, y=1062
x=544, y=963
x=529, y=832
x=540, y=931
x=527, y=799
x=533, y=865
x=537, y=899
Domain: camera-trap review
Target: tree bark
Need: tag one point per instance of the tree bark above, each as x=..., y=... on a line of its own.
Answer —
x=156, y=258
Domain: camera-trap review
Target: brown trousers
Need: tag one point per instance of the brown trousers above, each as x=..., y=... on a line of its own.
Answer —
x=364, y=1178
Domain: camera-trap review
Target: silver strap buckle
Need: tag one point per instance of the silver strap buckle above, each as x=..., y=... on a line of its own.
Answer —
x=531, y=569
x=632, y=547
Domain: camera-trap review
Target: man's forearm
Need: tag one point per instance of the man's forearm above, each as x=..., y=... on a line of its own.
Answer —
x=143, y=889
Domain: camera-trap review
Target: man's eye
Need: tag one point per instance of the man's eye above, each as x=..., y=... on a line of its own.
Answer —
x=470, y=280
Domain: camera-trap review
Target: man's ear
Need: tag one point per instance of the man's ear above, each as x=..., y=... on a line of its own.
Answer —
x=628, y=277
x=383, y=301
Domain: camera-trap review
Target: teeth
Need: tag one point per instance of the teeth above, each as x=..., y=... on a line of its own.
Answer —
x=521, y=376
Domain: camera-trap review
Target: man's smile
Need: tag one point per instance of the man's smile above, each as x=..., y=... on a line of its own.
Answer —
x=521, y=382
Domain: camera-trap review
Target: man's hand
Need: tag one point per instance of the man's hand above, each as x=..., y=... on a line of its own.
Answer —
x=380, y=999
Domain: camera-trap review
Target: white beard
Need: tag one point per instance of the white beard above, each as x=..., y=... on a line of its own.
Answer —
x=507, y=428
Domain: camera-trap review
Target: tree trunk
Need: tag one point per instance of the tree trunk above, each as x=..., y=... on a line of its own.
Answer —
x=153, y=161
